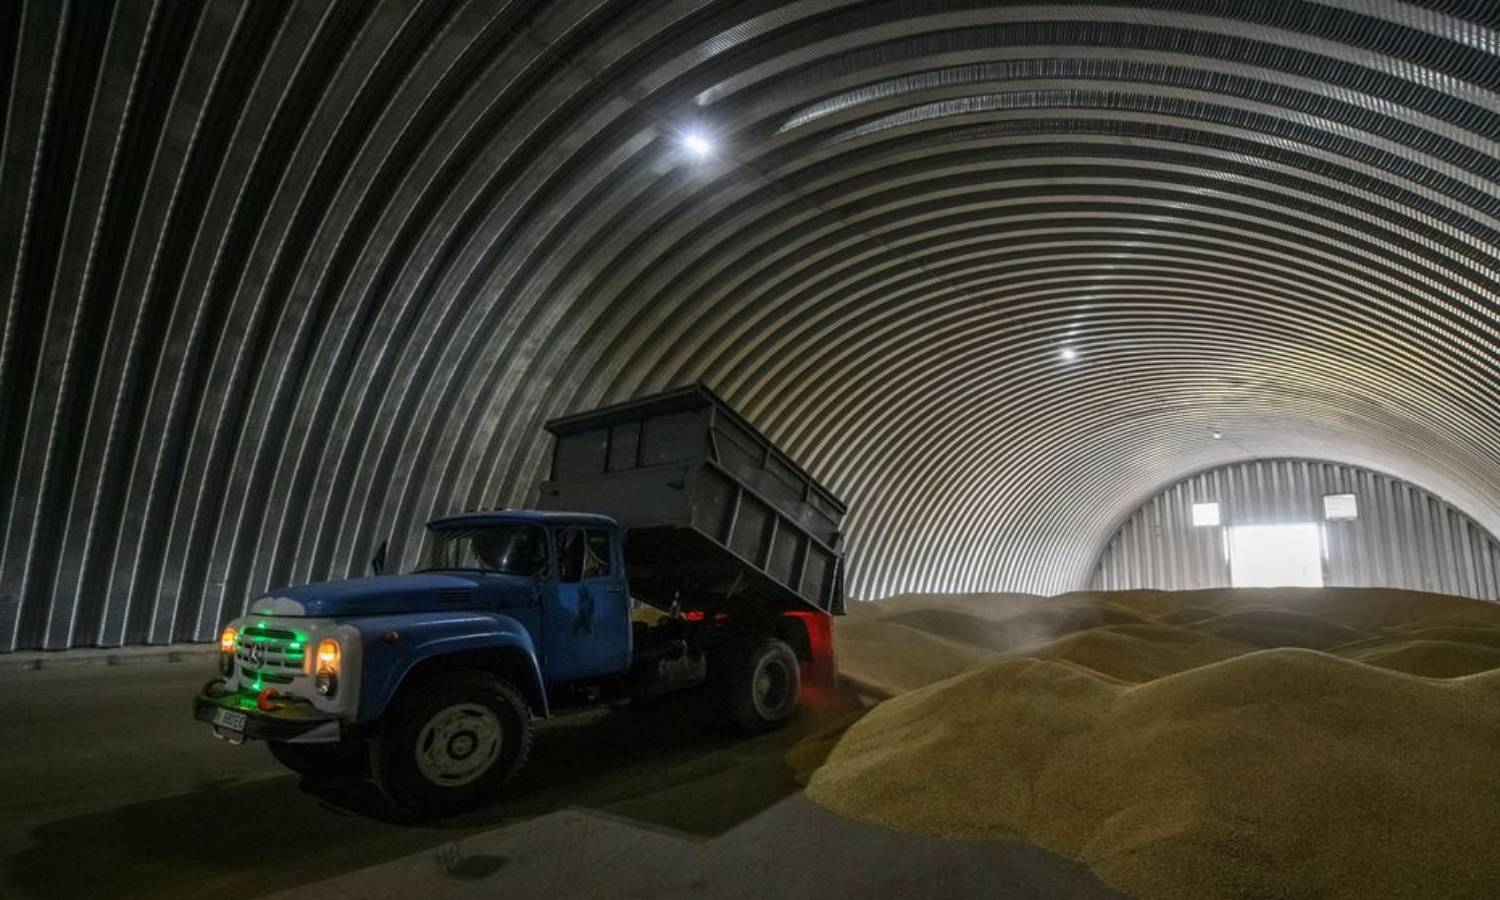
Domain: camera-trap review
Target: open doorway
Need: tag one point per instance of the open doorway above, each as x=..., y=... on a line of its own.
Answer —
x=1276, y=555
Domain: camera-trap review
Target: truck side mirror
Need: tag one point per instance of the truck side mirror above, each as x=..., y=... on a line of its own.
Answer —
x=377, y=562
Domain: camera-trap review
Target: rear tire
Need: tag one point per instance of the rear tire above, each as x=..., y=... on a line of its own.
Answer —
x=761, y=684
x=345, y=757
x=451, y=743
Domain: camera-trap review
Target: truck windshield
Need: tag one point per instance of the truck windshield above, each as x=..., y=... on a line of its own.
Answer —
x=507, y=549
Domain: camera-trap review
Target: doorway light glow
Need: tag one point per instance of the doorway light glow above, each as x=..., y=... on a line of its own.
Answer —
x=1276, y=555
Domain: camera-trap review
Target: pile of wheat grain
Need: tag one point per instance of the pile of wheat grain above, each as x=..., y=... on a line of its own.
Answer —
x=1334, y=743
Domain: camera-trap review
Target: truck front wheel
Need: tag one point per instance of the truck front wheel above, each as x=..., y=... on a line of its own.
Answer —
x=761, y=686
x=452, y=743
x=321, y=760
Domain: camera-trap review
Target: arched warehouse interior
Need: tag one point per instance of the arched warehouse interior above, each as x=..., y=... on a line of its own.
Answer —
x=283, y=279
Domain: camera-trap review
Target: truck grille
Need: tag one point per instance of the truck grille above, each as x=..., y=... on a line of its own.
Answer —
x=268, y=650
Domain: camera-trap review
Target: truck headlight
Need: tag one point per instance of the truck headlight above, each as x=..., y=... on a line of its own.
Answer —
x=226, y=651
x=328, y=668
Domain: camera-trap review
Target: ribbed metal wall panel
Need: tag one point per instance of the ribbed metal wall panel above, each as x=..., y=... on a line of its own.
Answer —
x=280, y=279
x=1403, y=537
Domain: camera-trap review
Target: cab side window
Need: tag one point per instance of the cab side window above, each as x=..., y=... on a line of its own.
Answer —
x=570, y=554
x=596, y=557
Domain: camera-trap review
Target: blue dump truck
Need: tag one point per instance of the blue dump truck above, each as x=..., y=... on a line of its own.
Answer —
x=434, y=678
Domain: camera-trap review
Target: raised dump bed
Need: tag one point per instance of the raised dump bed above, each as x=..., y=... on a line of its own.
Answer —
x=716, y=518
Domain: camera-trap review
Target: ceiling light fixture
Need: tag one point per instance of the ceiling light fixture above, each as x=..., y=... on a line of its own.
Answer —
x=697, y=144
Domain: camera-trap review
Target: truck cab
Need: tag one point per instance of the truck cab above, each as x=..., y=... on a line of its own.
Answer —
x=434, y=677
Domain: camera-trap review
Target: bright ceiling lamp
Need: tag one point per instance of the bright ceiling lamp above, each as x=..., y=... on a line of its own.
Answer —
x=698, y=145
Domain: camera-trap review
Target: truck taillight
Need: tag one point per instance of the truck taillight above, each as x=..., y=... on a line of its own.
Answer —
x=226, y=651
x=328, y=668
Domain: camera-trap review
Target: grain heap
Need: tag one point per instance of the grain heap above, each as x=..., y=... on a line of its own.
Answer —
x=1336, y=743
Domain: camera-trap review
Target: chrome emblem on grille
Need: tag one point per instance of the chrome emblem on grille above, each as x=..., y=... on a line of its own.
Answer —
x=257, y=655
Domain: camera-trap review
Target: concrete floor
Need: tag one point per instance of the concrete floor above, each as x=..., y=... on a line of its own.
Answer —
x=108, y=788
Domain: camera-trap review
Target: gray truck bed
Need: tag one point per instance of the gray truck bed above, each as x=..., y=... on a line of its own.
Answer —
x=715, y=516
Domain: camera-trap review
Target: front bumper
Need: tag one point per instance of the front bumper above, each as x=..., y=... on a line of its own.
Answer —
x=292, y=721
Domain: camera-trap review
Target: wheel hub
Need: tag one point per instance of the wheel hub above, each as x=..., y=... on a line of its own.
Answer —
x=459, y=744
x=770, y=686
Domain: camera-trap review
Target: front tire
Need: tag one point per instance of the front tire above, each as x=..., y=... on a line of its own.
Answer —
x=451, y=743
x=346, y=757
x=761, y=686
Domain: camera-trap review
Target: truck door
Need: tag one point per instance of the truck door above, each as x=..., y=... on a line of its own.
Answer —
x=586, y=632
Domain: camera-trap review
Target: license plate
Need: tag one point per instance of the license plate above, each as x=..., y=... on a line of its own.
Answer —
x=228, y=718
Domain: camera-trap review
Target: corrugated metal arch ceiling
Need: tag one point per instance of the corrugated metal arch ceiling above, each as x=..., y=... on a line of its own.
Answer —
x=285, y=278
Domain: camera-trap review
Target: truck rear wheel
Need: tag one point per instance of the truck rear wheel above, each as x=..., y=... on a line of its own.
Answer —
x=452, y=744
x=322, y=760
x=761, y=685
